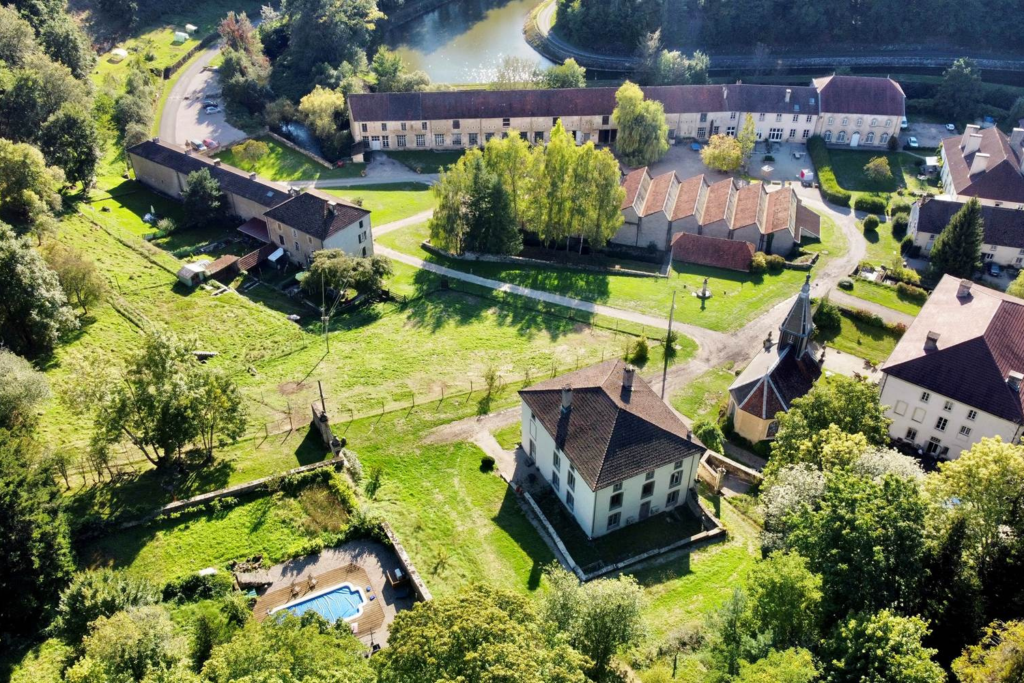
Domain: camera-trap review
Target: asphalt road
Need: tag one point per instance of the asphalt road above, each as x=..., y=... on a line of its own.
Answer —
x=183, y=116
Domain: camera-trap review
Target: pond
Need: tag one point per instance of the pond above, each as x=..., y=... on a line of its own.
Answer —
x=463, y=41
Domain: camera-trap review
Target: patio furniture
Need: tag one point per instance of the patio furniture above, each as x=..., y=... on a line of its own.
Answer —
x=695, y=146
x=397, y=577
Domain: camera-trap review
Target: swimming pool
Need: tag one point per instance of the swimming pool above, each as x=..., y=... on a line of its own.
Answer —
x=343, y=602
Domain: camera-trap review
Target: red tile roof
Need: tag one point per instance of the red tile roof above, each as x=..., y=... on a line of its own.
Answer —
x=981, y=341
x=686, y=200
x=656, y=195
x=1001, y=179
x=631, y=184
x=747, y=200
x=716, y=252
x=860, y=95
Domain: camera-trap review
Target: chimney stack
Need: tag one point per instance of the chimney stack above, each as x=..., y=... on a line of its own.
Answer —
x=789, y=93
x=980, y=163
x=566, y=399
x=332, y=207
x=725, y=92
x=156, y=139
x=1017, y=139
x=1014, y=380
x=971, y=139
x=216, y=162
x=628, y=373
x=252, y=176
x=931, y=343
x=964, y=290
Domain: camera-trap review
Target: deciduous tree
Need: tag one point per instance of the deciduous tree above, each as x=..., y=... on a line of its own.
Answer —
x=393, y=74
x=881, y=648
x=960, y=90
x=877, y=170
x=722, y=153
x=957, y=249
x=202, y=201
x=998, y=658
x=251, y=151
x=23, y=389
x=77, y=275
x=70, y=141
x=643, y=133
x=788, y=666
x=334, y=269
x=785, y=600
x=99, y=593
x=29, y=188
x=568, y=74
x=747, y=137
x=132, y=645
x=516, y=73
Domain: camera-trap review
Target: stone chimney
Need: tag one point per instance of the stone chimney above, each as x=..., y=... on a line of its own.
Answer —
x=566, y=399
x=628, y=374
x=971, y=139
x=964, y=290
x=156, y=139
x=188, y=151
x=980, y=162
x=332, y=207
x=252, y=176
x=1013, y=380
x=216, y=162
x=789, y=93
x=931, y=342
x=725, y=92
x=1017, y=139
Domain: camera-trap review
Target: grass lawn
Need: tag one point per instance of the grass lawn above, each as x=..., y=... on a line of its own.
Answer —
x=862, y=340
x=702, y=397
x=738, y=297
x=883, y=247
x=427, y=161
x=389, y=202
x=849, y=169
x=884, y=295
x=508, y=437
x=284, y=163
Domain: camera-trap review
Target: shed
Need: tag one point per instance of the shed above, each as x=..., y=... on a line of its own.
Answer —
x=180, y=37
x=191, y=28
x=191, y=274
x=931, y=165
x=118, y=55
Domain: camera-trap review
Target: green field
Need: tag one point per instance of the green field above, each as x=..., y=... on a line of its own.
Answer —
x=883, y=294
x=702, y=397
x=389, y=202
x=508, y=437
x=883, y=247
x=427, y=161
x=862, y=340
x=738, y=297
x=283, y=163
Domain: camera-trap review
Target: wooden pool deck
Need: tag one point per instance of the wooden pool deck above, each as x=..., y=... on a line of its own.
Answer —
x=372, y=618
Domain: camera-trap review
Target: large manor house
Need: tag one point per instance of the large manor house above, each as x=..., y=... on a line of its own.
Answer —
x=857, y=111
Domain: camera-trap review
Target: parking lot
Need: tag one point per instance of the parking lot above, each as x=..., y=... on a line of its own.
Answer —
x=184, y=116
x=929, y=135
x=687, y=163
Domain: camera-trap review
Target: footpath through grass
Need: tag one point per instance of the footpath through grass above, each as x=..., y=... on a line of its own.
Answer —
x=283, y=163
x=738, y=297
x=883, y=295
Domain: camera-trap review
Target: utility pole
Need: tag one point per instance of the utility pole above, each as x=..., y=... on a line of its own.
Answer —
x=668, y=340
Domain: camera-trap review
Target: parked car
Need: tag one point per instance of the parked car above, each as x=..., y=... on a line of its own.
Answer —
x=209, y=103
x=197, y=145
x=903, y=123
x=211, y=144
x=913, y=142
x=994, y=270
x=212, y=109
x=951, y=127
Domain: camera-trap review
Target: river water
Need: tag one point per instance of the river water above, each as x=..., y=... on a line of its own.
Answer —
x=465, y=40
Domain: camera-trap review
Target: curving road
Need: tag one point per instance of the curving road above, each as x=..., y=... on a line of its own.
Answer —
x=183, y=117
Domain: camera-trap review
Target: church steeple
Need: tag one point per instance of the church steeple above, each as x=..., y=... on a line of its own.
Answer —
x=797, y=327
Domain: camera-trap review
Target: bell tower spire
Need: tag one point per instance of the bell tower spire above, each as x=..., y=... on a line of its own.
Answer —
x=797, y=327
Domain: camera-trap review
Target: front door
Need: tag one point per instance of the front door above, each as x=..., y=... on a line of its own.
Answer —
x=855, y=140
x=645, y=509
x=375, y=142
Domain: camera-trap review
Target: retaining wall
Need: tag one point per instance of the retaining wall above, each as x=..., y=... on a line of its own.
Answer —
x=305, y=152
x=419, y=587
x=519, y=260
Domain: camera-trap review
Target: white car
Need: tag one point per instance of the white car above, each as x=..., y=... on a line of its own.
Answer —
x=951, y=128
x=913, y=142
x=212, y=109
x=903, y=123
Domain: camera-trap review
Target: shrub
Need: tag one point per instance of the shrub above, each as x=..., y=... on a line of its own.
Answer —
x=775, y=262
x=870, y=204
x=870, y=223
x=640, y=352
x=893, y=144
x=864, y=316
x=907, y=291
x=769, y=157
x=828, y=318
x=830, y=189
x=759, y=263
x=899, y=207
x=900, y=223
x=98, y=594
x=486, y=463
x=193, y=587
x=906, y=244
x=846, y=284
x=710, y=434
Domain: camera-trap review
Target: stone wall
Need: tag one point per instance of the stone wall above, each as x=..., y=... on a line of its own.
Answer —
x=305, y=152
x=419, y=587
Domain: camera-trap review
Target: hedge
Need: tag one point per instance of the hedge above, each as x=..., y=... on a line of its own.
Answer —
x=826, y=176
x=870, y=204
x=899, y=207
x=911, y=292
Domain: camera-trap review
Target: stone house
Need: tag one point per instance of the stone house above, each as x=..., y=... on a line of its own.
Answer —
x=314, y=220
x=612, y=451
x=955, y=376
x=984, y=163
x=1003, y=241
x=859, y=111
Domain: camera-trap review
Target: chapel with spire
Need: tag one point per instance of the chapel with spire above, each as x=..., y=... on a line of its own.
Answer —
x=782, y=371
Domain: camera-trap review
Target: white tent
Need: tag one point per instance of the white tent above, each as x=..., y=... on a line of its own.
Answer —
x=118, y=55
x=180, y=37
x=191, y=28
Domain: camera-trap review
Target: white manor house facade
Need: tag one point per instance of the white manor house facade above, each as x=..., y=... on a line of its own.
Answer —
x=855, y=111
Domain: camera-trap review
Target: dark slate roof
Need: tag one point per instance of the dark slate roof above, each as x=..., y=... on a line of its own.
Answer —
x=231, y=179
x=860, y=95
x=311, y=213
x=481, y=104
x=610, y=435
x=798, y=320
x=1004, y=226
x=981, y=341
x=1001, y=179
x=773, y=381
x=716, y=252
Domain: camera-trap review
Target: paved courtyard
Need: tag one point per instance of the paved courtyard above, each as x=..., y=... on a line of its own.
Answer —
x=687, y=163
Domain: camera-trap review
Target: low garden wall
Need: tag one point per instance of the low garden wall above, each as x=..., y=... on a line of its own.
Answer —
x=305, y=152
x=519, y=260
x=419, y=587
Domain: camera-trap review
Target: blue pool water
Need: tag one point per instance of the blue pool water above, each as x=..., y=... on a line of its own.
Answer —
x=343, y=602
